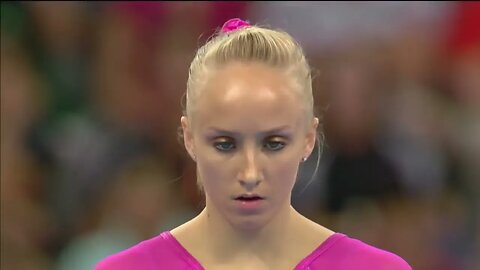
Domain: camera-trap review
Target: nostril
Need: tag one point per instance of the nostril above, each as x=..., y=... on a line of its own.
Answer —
x=249, y=184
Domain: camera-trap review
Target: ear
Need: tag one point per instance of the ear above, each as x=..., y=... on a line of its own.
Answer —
x=311, y=137
x=187, y=137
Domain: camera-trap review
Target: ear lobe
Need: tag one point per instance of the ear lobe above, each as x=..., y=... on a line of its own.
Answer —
x=311, y=137
x=187, y=136
x=315, y=123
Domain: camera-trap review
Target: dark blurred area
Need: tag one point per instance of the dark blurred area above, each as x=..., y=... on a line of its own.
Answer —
x=91, y=97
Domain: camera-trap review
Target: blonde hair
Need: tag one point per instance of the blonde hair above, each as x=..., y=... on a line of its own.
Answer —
x=275, y=48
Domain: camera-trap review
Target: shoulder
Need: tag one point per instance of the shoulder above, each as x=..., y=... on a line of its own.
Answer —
x=144, y=255
x=374, y=257
x=353, y=254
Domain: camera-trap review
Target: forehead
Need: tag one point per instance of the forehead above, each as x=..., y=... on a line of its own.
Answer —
x=252, y=93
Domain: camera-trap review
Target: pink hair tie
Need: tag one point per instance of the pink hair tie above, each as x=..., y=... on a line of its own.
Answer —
x=234, y=24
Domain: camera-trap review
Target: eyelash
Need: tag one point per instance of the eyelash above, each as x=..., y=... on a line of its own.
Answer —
x=282, y=145
x=230, y=145
x=217, y=144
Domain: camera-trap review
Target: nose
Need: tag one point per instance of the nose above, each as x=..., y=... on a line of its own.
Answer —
x=251, y=174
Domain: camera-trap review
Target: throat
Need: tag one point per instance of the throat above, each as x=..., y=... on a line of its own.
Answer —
x=214, y=243
x=265, y=241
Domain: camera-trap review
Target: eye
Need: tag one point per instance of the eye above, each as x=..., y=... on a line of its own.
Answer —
x=224, y=146
x=274, y=145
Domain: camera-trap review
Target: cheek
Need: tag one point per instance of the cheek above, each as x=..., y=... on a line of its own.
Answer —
x=213, y=174
x=282, y=171
x=285, y=173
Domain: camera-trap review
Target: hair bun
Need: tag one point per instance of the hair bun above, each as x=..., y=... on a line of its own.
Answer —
x=233, y=25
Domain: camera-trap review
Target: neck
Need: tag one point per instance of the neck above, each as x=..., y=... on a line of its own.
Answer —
x=229, y=242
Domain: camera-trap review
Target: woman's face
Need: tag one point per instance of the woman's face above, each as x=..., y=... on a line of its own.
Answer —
x=248, y=134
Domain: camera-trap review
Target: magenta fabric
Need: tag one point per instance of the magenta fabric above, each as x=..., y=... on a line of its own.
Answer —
x=338, y=252
x=233, y=25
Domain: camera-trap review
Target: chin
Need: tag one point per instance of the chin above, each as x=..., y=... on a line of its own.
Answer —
x=248, y=226
x=249, y=223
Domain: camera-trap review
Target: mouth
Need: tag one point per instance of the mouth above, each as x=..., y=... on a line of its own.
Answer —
x=249, y=198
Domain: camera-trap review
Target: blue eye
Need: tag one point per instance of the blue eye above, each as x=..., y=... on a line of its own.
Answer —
x=224, y=146
x=274, y=145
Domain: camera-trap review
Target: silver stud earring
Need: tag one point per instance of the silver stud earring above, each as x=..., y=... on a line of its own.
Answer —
x=304, y=159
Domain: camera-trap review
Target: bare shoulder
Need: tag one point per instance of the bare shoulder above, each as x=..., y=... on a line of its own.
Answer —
x=186, y=233
x=313, y=232
x=308, y=236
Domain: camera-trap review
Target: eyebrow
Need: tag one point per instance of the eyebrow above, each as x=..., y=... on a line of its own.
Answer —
x=233, y=133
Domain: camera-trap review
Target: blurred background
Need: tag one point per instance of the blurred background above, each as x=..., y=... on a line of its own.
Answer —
x=91, y=97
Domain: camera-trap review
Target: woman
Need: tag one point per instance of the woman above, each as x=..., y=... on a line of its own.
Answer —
x=248, y=125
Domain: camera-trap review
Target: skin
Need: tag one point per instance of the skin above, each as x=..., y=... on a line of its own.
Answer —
x=248, y=134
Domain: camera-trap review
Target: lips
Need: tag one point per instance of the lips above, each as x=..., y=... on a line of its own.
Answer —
x=248, y=197
x=249, y=203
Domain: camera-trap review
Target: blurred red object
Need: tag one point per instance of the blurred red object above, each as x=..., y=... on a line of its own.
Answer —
x=464, y=32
